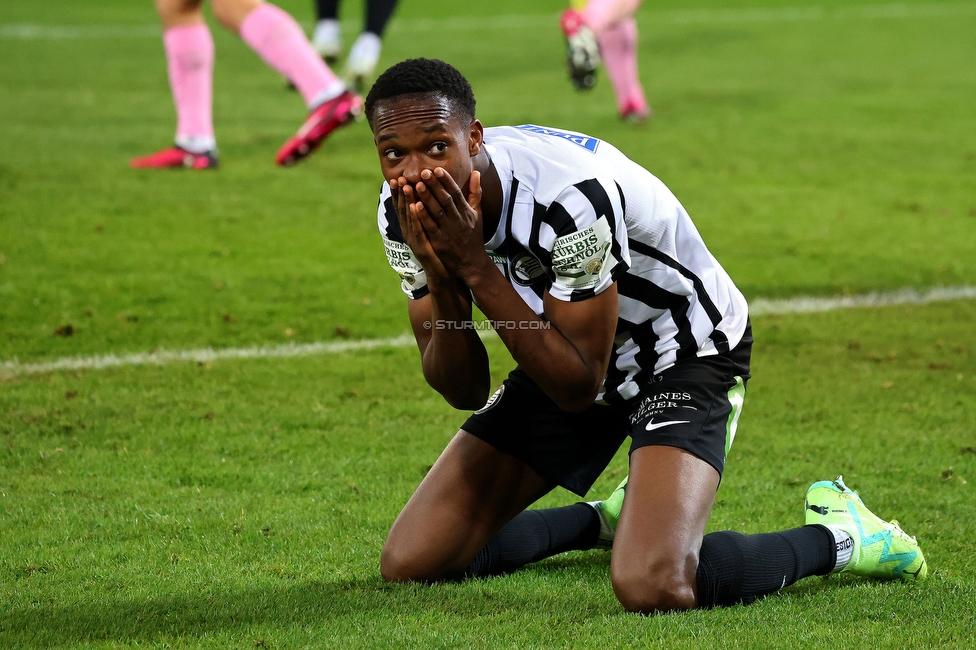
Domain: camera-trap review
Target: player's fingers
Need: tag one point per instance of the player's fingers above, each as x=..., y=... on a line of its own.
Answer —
x=403, y=202
x=450, y=188
x=474, y=191
x=438, y=204
x=400, y=208
x=424, y=220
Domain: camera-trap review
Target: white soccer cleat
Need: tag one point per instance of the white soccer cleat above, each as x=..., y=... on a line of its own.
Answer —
x=363, y=58
x=327, y=40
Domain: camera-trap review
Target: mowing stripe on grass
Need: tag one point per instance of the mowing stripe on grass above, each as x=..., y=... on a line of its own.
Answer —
x=21, y=31
x=757, y=307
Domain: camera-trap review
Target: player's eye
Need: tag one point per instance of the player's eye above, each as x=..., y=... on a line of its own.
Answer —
x=391, y=154
x=438, y=148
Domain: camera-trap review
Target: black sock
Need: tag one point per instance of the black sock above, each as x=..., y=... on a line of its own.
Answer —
x=534, y=535
x=378, y=14
x=327, y=9
x=736, y=568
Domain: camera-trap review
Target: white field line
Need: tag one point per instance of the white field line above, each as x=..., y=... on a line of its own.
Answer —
x=25, y=31
x=759, y=306
x=803, y=305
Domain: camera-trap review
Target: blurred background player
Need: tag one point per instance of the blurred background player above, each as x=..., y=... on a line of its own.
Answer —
x=607, y=30
x=279, y=41
x=365, y=51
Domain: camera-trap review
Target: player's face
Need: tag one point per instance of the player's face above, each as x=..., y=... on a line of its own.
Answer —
x=419, y=132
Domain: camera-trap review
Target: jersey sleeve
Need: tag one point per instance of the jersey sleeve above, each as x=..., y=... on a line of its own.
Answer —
x=413, y=278
x=589, y=251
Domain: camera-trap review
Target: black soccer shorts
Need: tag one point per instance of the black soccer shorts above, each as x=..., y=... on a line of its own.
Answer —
x=693, y=405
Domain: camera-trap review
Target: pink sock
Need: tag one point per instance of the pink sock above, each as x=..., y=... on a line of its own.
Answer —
x=603, y=14
x=190, y=62
x=618, y=48
x=280, y=41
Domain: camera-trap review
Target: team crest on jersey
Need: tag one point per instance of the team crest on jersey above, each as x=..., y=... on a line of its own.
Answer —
x=527, y=270
x=580, y=140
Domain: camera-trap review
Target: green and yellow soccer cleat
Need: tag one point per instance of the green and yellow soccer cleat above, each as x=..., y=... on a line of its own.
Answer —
x=881, y=548
x=609, y=512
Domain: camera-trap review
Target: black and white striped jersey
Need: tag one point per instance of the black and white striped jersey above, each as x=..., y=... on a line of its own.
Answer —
x=577, y=216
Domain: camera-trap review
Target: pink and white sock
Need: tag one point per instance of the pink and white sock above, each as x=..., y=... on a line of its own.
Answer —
x=603, y=14
x=190, y=63
x=280, y=41
x=618, y=48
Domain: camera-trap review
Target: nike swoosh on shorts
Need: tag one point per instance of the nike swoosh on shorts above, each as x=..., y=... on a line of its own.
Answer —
x=651, y=426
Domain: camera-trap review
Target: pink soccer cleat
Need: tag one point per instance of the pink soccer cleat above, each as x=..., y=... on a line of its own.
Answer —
x=175, y=158
x=636, y=111
x=322, y=121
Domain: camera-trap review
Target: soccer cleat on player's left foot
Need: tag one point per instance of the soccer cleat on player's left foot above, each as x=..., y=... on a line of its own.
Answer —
x=582, y=51
x=328, y=45
x=881, y=548
x=175, y=158
x=322, y=121
x=608, y=511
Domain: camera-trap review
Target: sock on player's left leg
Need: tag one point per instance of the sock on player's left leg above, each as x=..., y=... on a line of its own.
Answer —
x=281, y=43
x=735, y=568
x=534, y=535
x=618, y=48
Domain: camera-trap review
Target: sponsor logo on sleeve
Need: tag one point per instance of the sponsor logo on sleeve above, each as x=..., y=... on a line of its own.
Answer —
x=582, y=260
x=402, y=260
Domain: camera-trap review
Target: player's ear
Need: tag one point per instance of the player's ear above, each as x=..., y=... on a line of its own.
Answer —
x=476, y=138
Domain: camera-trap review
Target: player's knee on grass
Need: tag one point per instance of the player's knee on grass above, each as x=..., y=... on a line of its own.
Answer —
x=659, y=585
x=396, y=565
x=414, y=563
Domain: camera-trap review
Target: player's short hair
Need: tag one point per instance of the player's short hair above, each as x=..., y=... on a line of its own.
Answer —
x=421, y=76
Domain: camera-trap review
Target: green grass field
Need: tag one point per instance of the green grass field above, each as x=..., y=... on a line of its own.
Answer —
x=822, y=149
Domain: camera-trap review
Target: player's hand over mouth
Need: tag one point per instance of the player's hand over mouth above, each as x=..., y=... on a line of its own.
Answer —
x=452, y=221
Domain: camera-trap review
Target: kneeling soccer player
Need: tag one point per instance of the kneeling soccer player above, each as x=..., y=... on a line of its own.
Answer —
x=621, y=322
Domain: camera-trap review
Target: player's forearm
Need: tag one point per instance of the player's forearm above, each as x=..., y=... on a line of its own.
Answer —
x=540, y=349
x=455, y=362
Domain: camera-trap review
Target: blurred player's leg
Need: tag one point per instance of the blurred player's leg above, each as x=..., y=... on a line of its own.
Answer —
x=189, y=62
x=327, y=37
x=365, y=52
x=602, y=14
x=279, y=40
x=605, y=31
x=618, y=47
